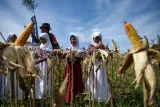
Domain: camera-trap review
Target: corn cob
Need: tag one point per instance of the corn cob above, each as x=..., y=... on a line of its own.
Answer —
x=142, y=64
x=22, y=38
x=133, y=36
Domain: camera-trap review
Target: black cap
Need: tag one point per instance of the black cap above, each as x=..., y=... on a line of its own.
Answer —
x=45, y=25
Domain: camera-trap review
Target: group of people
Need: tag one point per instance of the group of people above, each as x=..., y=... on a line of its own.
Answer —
x=75, y=84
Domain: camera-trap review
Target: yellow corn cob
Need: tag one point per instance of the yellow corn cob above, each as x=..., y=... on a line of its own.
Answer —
x=22, y=38
x=133, y=36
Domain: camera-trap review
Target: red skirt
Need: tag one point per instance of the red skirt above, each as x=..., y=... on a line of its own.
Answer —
x=77, y=80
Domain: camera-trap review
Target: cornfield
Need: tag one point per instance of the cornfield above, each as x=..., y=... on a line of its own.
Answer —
x=122, y=87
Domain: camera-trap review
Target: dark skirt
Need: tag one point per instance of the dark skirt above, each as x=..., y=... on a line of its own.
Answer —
x=77, y=80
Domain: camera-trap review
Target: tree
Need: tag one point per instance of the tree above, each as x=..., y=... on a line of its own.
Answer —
x=30, y=4
x=155, y=41
x=158, y=38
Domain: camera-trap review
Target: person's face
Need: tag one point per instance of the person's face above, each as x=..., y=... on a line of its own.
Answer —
x=13, y=38
x=73, y=40
x=43, y=40
x=97, y=39
x=44, y=30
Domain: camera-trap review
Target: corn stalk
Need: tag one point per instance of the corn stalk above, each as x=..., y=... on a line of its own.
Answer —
x=34, y=94
x=53, y=60
x=11, y=78
x=72, y=88
x=145, y=94
x=30, y=85
x=4, y=90
x=17, y=105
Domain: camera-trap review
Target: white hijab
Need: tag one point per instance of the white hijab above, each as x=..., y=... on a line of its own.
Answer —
x=47, y=46
x=76, y=46
x=10, y=35
x=94, y=35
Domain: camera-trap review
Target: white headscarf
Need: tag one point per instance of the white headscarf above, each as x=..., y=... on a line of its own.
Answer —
x=76, y=46
x=47, y=46
x=10, y=35
x=94, y=35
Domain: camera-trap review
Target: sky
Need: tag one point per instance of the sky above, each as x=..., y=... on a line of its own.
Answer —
x=84, y=17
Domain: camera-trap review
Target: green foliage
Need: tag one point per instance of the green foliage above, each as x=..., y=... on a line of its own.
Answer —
x=123, y=87
x=158, y=37
x=156, y=40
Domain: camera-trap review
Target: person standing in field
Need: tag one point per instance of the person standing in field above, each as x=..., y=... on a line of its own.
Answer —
x=11, y=39
x=75, y=86
x=100, y=89
x=45, y=28
x=42, y=52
